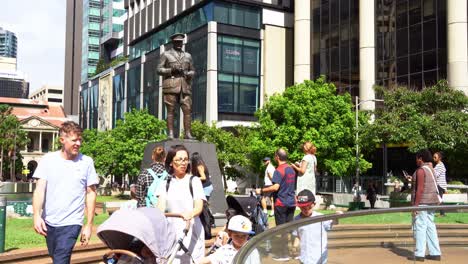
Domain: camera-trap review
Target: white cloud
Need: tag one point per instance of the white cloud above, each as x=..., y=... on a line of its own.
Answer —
x=40, y=29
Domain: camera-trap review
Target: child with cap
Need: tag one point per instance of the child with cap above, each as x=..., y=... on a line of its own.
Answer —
x=239, y=229
x=313, y=250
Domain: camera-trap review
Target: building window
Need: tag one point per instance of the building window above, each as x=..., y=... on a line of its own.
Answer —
x=411, y=43
x=84, y=106
x=93, y=105
x=237, y=15
x=238, y=78
x=198, y=49
x=151, y=86
x=133, y=88
x=118, y=97
x=335, y=43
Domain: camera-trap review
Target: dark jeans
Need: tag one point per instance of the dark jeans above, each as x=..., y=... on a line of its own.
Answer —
x=60, y=242
x=283, y=215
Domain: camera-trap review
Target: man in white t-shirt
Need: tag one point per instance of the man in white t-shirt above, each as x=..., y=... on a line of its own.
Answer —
x=66, y=182
x=269, y=170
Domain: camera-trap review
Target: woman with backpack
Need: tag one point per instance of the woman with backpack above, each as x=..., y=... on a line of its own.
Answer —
x=183, y=194
x=199, y=169
x=147, y=176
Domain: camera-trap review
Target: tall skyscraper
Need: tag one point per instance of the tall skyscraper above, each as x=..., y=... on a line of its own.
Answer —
x=73, y=56
x=112, y=27
x=8, y=43
x=91, y=35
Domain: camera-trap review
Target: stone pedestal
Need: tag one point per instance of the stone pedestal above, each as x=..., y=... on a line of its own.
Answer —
x=218, y=203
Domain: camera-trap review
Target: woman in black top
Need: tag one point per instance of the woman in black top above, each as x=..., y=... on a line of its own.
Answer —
x=199, y=169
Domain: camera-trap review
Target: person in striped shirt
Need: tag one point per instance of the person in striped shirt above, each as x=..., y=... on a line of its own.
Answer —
x=439, y=173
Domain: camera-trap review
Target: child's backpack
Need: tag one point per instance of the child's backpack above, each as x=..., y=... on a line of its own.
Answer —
x=151, y=199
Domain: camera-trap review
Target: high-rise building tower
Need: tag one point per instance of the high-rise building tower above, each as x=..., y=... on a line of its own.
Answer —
x=8, y=43
x=91, y=35
x=72, y=78
x=112, y=28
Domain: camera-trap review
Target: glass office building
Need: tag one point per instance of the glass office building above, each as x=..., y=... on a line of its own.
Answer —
x=91, y=33
x=8, y=43
x=113, y=16
x=225, y=41
x=247, y=50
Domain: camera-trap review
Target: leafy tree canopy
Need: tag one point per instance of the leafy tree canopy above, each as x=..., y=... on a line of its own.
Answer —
x=435, y=118
x=231, y=148
x=310, y=111
x=12, y=138
x=120, y=151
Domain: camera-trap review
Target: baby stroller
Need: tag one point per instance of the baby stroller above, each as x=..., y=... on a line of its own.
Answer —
x=140, y=236
x=250, y=207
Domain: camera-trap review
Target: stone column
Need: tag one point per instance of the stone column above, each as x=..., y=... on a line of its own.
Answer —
x=366, y=53
x=457, y=53
x=212, y=74
x=302, y=42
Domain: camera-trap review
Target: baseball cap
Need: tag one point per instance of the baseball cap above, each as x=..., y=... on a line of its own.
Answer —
x=305, y=198
x=241, y=224
x=266, y=158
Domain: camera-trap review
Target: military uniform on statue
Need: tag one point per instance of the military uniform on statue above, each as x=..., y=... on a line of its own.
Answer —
x=176, y=68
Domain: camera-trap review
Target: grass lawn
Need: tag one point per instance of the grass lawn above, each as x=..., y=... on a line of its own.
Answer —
x=20, y=233
x=115, y=198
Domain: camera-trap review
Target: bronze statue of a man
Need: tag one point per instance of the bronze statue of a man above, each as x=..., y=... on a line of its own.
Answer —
x=176, y=67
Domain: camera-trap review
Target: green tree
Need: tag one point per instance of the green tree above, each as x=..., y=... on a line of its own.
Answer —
x=310, y=111
x=120, y=151
x=231, y=148
x=433, y=118
x=12, y=140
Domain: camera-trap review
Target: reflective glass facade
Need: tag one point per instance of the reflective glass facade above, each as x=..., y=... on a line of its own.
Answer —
x=93, y=105
x=335, y=43
x=133, y=87
x=8, y=43
x=186, y=24
x=90, y=38
x=84, y=95
x=198, y=49
x=411, y=47
x=118, y=96
x=238, y=75
x=224, y=13
x=151, y=84
x=113, y=15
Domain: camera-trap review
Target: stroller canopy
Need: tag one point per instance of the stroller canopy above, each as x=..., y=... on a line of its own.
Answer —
x=149, y=225
x=244, y=205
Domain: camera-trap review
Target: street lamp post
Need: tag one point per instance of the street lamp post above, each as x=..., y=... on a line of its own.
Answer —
x=357, y=133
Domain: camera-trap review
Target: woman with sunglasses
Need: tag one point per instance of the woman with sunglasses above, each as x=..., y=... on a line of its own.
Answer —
x=176, y=196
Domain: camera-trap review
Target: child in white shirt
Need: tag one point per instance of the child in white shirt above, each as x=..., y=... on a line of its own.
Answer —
x=239, y=230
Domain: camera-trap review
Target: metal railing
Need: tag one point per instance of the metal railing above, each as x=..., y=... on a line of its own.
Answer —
x=253, y=243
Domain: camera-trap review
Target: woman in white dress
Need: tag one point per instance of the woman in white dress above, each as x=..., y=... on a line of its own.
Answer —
x=176, y=197
x=306, y=168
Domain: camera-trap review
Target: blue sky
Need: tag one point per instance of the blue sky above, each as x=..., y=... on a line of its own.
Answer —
x=39, y=26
